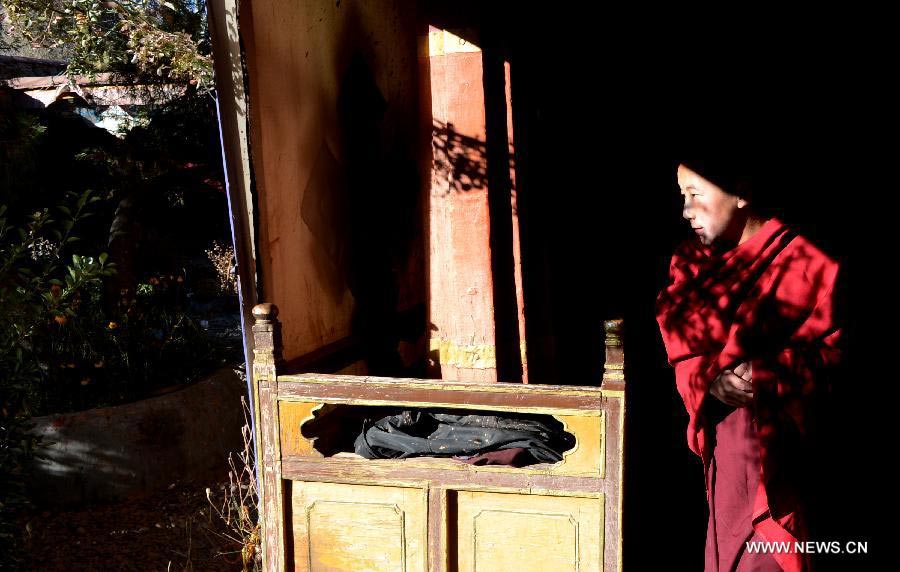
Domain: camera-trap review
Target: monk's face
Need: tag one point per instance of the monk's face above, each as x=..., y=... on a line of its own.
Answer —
x=715, y=215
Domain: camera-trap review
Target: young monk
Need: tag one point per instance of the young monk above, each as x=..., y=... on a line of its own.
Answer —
x=748, y=324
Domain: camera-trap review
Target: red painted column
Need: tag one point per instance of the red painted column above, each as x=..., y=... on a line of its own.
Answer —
x=461, y=314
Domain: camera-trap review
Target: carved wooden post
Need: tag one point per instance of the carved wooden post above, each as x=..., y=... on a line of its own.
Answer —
x=614, y=370
x=266, y=356
x=614, y=394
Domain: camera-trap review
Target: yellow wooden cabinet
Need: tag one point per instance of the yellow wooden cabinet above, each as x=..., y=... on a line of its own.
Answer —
x=358, y=527
x=334, y=511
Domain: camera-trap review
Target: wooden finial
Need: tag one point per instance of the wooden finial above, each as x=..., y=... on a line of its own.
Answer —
x=614, y=370
x=266, y=335
x=265, y=313
x=613, y=329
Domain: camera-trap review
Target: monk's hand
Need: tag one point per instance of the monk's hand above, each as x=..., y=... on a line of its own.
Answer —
x=743, y=370
x=734, y=387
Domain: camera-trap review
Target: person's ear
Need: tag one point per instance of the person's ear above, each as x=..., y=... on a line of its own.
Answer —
x=743, y=190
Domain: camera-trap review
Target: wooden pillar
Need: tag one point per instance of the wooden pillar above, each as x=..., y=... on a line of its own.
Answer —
x=476, y=319
x=266, y=356
x=613, y=386
x=614, y=367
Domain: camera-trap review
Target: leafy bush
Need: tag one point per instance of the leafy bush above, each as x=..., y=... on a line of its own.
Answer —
x=150, y=40
x=39, y=294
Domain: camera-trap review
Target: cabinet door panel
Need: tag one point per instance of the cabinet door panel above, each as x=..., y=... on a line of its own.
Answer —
x=358, y=528
x=524, y=533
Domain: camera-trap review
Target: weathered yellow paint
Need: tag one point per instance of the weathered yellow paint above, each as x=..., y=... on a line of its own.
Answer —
x=478, y=356
x=548, y=527
x=292, y=416
x=359, y=528
x=589, y=454
x=528, y=533
x=442, y=42
x=585, y=459
x=380, y=471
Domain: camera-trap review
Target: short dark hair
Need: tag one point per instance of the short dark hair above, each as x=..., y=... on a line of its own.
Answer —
x=737, y=175
x=729, y=174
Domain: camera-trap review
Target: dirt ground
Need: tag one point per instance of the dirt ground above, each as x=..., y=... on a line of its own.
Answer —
x=175, y=530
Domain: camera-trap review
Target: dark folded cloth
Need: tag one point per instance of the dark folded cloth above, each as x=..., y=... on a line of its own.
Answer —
x=419, y=433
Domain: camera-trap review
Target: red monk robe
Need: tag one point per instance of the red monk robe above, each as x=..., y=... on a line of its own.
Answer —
x=768, y=302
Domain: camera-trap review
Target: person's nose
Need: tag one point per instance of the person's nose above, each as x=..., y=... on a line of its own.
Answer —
x=687, y=211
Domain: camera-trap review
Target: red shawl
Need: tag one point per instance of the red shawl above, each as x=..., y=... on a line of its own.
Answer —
x=768, y=301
